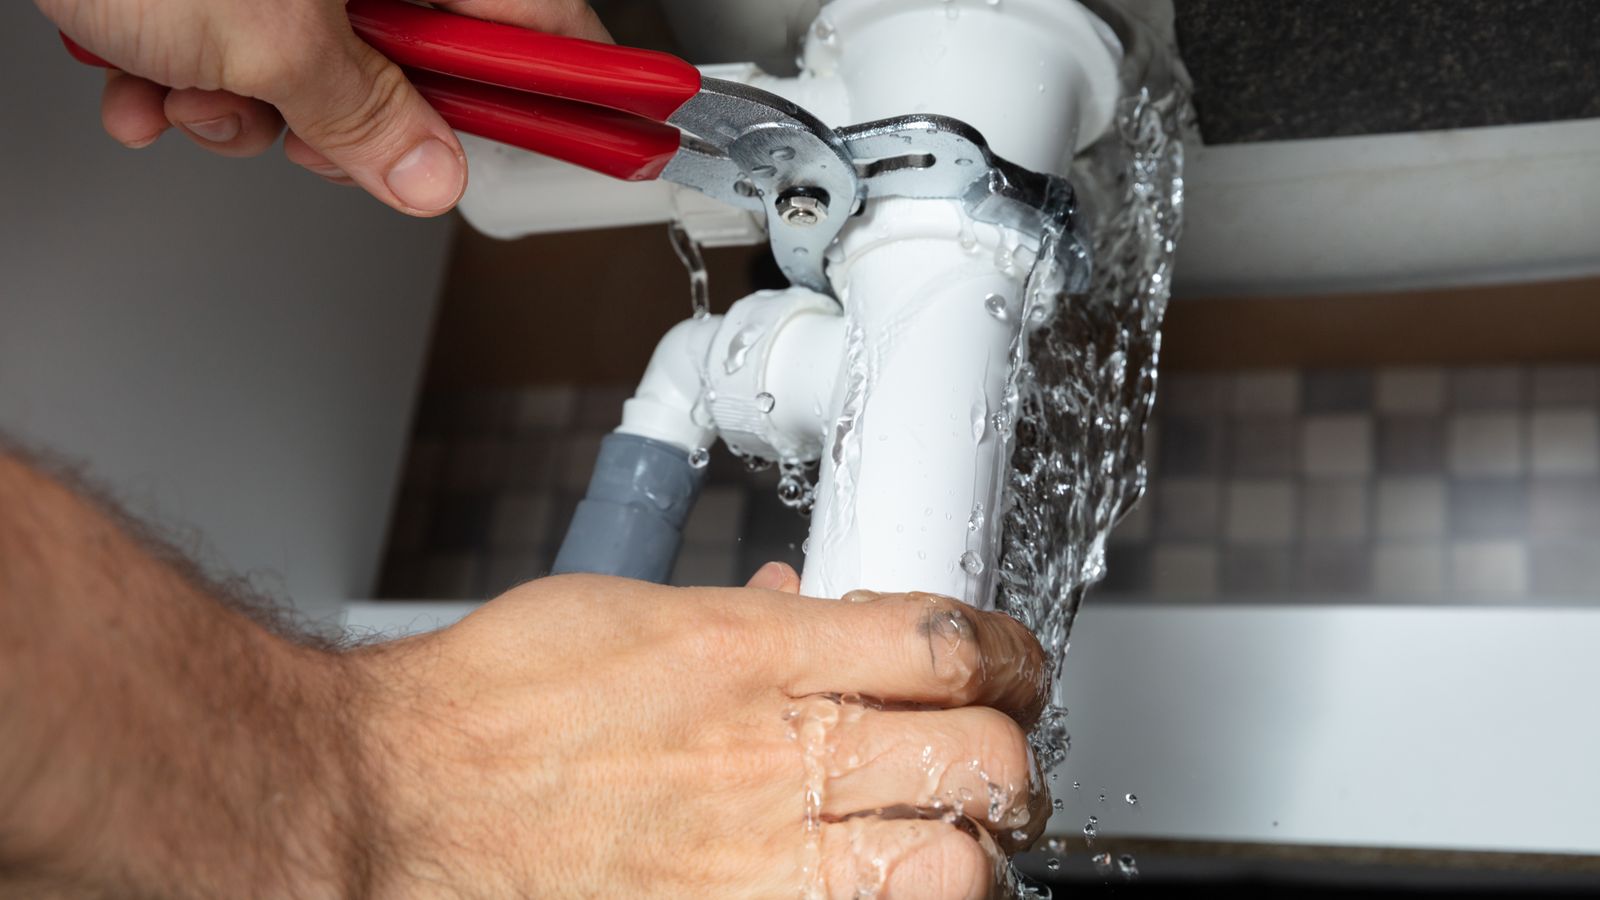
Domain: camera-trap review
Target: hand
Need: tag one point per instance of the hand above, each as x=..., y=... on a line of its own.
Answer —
x=230, y=73
x=585, y=736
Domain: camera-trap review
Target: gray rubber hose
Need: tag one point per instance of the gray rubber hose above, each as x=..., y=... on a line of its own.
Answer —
x=631, y=521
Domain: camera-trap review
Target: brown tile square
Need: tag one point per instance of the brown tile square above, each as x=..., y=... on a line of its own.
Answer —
x=1257, y=570
x=1265, y=446
x=1335, y=570
x=1566, y=387
x=1564, y=508
x=1338, y=391
x=1334, y=510
x=1192, y=446
x=460, y=522
x=1566, y=568
x=600, y=406
x=1489, y=508
x=1487, y=388
x=1188, y=508
x=1127, y=570
x=1193, y=394
x=1411, y=445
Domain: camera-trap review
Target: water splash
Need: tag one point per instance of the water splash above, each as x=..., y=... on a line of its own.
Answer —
x=688, y=251
x=1078, y=460
x=1085, y=382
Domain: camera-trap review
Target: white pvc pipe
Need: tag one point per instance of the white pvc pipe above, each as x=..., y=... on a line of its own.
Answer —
x=907, y=488
x=663, y=408
x=1037, y=77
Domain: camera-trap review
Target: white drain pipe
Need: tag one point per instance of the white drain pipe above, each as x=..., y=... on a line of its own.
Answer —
x=919, y=427
x=897, y=388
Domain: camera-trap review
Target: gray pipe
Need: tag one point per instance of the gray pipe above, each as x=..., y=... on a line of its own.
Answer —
x=631, y=521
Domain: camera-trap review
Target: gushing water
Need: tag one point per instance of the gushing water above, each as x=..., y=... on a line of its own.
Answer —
x=1086, y=384
x=1090, y=373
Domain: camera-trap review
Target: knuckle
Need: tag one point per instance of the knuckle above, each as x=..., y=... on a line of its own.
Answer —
x=948, y=638
x=361, y=121
x=1002, y=746
x=716, y=639
x=960, y=868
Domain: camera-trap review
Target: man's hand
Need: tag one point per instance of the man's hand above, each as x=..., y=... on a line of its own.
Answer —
x=584, y=736
x=230, y=73
x=579, y=736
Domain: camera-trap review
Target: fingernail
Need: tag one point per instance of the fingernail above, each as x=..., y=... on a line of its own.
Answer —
x=769, y=577
x=861, y=596
x=142, y=143
x=333, y=172
x=220, y=130
x=429, y=178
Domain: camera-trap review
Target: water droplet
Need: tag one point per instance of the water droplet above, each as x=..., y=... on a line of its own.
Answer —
x=1094, y=820
x=699, y=457
x=765, y=402
x=782, y=154
x=1052, y=864
x=1002, y=422
x=805, y=545
x=975, y=522
x=1127, y=866
x=1102, y=864
x=995, y=305
x=963, y=161
x=763, y=171
x=1055, y=845
x=1058, y=803
x=1102, y=796
x=739, y=348
x=1075, y=785
x=1090, y=830
x=1131, y=799
x=790, y=490
x=971, y=563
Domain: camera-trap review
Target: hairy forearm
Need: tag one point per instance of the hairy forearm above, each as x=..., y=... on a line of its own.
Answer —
x=153, y=741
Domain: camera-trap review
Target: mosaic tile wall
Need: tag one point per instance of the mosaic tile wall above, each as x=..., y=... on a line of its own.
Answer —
x=1419, y=485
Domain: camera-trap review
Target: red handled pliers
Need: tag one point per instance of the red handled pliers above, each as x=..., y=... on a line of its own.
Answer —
x=639, y=114
x=629, y=113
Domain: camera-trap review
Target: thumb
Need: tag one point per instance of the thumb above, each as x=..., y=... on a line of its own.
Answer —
x=359, y=111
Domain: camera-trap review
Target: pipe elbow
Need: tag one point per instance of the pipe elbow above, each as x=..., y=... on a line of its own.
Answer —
x=663, y=407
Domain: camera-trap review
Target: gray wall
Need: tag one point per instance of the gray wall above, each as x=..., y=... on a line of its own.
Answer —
x=232, y=346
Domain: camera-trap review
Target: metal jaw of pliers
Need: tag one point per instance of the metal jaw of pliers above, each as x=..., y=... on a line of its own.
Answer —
x=639, y=114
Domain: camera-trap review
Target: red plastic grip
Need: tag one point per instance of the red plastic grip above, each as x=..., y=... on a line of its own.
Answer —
x=642, y=82
x=613, y=143
x=610, y=142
